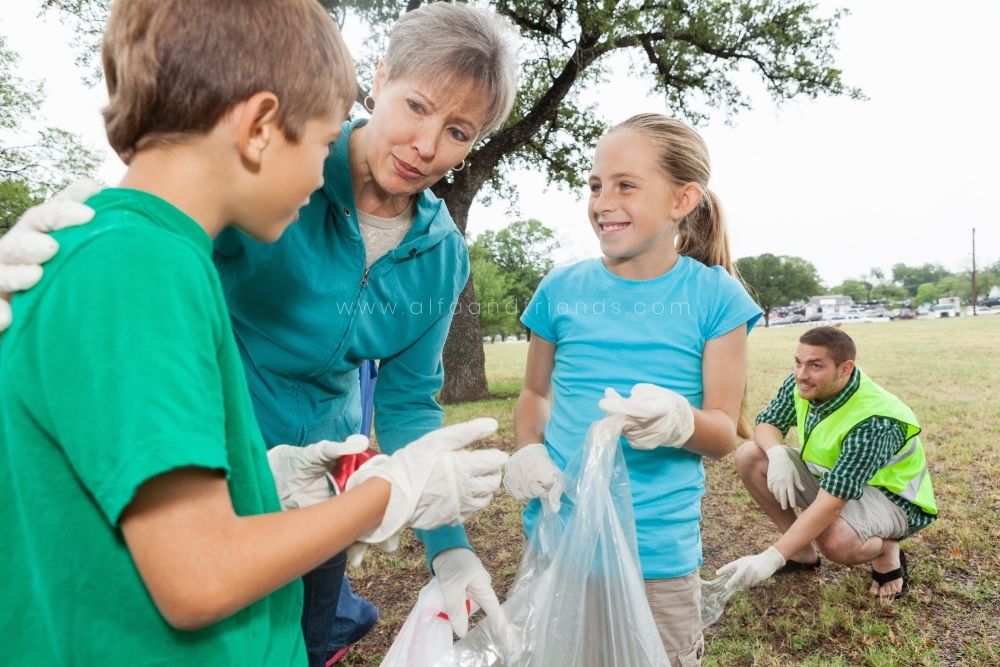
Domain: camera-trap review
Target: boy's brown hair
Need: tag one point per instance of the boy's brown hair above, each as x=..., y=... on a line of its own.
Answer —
x=175, y=67
x=840, y=346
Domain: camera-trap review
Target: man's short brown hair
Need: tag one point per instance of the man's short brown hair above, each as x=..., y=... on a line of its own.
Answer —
x=175, y=67
x=838, y=344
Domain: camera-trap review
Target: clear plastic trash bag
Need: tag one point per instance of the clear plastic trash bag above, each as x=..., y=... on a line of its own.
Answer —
x=578, y=599
x=426, y=633
x=713, y=599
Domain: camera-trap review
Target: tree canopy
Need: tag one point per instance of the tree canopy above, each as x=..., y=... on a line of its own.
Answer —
x=874, y=286
x=775, y=281
x=910, y=278
x=523, y=251
x=33, y=164
x=496, y=308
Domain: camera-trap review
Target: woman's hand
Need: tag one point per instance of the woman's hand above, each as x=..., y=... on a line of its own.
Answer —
x=28, y=245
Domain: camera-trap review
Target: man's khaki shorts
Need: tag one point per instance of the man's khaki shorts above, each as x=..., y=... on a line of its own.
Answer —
x=871, y=515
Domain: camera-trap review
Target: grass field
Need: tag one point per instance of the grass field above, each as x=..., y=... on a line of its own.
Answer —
x=948, y=371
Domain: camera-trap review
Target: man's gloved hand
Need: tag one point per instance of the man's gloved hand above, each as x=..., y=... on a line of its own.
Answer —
x=749, y=571
x=27, y=245
x=782, y=476
x=530, y=473
x=433, y=483
x=300, y=473
x=462, y=575
x=654, y=416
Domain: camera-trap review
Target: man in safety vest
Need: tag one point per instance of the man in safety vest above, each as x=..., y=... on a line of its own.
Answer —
x=860, y=474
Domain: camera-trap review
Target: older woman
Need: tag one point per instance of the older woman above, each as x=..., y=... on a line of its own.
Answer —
x=371, y=271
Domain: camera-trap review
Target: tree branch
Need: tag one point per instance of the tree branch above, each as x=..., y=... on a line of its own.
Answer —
x=515, y=136
x=526, y=23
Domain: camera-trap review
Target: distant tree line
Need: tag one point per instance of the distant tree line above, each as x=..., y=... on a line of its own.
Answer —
x=776, y=281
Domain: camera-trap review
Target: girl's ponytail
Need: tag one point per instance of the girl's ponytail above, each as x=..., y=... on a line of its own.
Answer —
x=683, y=155
x=702, y=235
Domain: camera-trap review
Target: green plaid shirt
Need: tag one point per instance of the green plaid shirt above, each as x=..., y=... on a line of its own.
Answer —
x=867, y=448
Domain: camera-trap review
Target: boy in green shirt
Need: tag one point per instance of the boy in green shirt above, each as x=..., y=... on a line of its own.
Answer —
x=141, y=518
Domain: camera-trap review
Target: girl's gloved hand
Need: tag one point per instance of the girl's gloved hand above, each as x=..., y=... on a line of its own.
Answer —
x=654, y=416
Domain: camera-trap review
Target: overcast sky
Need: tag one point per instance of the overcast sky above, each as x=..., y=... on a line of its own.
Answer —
x=901, y=177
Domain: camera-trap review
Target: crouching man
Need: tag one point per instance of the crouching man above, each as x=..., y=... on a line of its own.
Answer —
x=860, y=474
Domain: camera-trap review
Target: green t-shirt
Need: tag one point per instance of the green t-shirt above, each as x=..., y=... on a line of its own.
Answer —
x=120, y=366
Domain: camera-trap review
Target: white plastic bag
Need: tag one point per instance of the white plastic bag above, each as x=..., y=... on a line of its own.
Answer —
x=578, y=599
x=426, y=633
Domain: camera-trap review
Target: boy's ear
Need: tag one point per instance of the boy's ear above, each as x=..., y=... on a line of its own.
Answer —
x=686, y=199
x=256, y=122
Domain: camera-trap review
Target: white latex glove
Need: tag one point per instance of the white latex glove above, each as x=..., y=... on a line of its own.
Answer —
x=300, y=472
x=27, y=245
x=530, y=473
x=782, y=476
x=462, y=576
x=654, y=416
x=433, y=483
x=749, y=571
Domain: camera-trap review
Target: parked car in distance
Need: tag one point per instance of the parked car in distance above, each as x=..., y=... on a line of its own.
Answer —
x=855, y=315
x=945, y=310
x=990, y=302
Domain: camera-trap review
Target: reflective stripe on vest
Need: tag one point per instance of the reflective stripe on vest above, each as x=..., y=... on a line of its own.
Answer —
x=905, y=474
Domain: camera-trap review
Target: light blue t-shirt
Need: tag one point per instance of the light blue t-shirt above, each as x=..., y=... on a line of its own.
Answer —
x=613, y=332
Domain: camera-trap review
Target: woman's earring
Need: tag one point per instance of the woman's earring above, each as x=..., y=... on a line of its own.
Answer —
x=369, y=103
x=459, y=167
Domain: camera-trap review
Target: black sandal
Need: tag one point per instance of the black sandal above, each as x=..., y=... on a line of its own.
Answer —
x=901, y=572
x=791, y=566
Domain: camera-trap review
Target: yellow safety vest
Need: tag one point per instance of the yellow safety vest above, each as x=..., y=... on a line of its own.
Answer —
x=905, y=474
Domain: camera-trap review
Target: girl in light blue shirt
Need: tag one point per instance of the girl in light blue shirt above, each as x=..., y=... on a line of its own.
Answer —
x=661, y=317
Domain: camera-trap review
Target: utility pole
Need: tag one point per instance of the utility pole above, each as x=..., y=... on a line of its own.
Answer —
x=973, y=271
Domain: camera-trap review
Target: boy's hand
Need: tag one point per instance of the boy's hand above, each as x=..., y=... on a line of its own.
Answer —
x=300, y=473
x=654, y=416
x=530, y=473
x=433, y=482
x=27, y=245
x=462, y=576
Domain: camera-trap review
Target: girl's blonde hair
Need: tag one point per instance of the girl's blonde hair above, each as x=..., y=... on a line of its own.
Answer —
x=683, y=156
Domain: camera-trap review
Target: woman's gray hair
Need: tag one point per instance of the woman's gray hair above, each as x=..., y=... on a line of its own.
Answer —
x=440, y=40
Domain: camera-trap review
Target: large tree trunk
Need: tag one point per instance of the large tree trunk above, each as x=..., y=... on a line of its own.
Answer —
x=464, y=359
